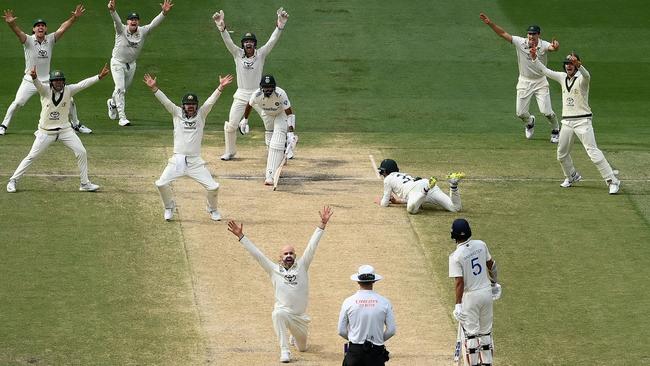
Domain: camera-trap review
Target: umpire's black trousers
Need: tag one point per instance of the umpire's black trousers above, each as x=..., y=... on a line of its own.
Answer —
x=366, y=354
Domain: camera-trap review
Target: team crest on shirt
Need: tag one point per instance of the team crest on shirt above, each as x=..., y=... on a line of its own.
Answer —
x=570, y=102
x=277, y=104
x=189, y=125
x=54, y=116
x=42, y=53
x=248, y=64
x=133, y=44
x=290, y=279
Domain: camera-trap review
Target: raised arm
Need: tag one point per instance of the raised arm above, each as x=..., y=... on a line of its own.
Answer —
x=76, y=13
x=40, y=87
x=238, y=231
x=11, y=22
x=497, y=29
x=166, y=6
x=218, y=18
x=555, y=75
x=554, y=46
x=275, y=36
x=117, y=22
x=209, y=103
x=83, y=84
x=168, y=104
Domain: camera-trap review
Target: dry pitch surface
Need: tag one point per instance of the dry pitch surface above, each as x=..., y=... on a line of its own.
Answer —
x=234, y=295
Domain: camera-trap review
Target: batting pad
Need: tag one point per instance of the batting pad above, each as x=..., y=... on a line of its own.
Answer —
x=273, y=161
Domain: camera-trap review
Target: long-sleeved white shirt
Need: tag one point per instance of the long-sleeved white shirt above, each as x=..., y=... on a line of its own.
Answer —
x=575, y=90
x=188, y=131
x=55, y=106
x=291, y=285
x=469, y=261
x=366, y=316
x=400, y=184
x=39, y=54
x=249, y=69
x=128, y=45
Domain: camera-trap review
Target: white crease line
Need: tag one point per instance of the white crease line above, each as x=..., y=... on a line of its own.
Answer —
x=374, y=166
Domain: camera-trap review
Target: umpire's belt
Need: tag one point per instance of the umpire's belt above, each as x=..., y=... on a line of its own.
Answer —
x=366, y=346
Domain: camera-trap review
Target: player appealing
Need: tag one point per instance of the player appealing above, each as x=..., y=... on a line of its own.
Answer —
x=249, y=63
x=279, y=122
x=38, y=52
x=189, y=121
x=366, y=321
x=129, y=40
x=56, y=100
x=576, y=121
x=290, y=278
x=531, y=81
x=403, y=188
x=475, y=275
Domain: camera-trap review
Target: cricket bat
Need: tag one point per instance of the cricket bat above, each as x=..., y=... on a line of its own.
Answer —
x=278, y=171
x=458, y=359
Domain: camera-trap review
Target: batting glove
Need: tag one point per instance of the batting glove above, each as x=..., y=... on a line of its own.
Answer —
x=243, y=126
x=496, y=292
x=458, y=313
x=218, y=20
x=282, y=18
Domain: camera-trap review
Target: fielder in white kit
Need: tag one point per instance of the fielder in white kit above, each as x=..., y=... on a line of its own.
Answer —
x=38, y=52
x=576, y=121
x=249, y=63
x=189, y=122
x=53, y=125
x=290, y=278
x=531, y=81
x=278, y=119
x=129, y=41
x=414, y=192
x=476, y=287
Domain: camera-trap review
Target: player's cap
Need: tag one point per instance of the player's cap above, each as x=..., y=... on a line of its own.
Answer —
x=39, y=21
x=57, y=75
x=534, y=29
x=190, y=98
x=366, y=273
x=133, y=15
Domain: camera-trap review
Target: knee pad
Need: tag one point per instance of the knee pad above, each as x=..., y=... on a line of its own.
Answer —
x=472, y=350
x=228, y=127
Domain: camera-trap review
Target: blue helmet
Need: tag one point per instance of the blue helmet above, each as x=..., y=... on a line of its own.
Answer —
x=388, y=166
x=460, y=230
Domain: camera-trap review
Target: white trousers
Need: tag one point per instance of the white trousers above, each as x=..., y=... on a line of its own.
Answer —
x=122, y=77
x=526, y=89
x=583, y=129
x=25, y=91
x=285, y=322
x=232, y=125
x=420, y=195
x=43, y=140
x=477, y=307
x=191, y=166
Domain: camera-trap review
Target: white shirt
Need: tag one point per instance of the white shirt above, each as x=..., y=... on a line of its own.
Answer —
x=575, y=91
x=273, y=105
x=524, y=60
x=55, y=106
x=128, y=45
x=469, y=261
x=39, y=55
x=401, y=184
x=188, y=131
x=366, y=315
x=249, y=69
x=291, y=285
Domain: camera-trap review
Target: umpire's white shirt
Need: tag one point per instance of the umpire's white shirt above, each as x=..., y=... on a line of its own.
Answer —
x=39, y=55
x=400, y=184
x=273, y=105
x=56, y=105
x=366, y=315
x=249, y=69
x=469, y=261
x=188, y=132
x=575, y=91
x=128, y=45
x=525, y=62
x=291, y=285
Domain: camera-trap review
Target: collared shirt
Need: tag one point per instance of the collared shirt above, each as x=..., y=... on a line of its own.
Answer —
x=400, y=184
x=469, y=261
x=575, y=90
x=55, y=106
x=188, y=131
x=366, y=316
x=291, y=285
x=524, y=60
x=39, y=54
x=129, y=45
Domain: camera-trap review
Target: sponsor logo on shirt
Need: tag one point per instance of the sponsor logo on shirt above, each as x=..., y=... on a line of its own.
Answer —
x=570, y=102
x=133, y=44
x=290, y=279
x=42, y=53
x=189, y=125
x=248, y=64
x=55, y=116
x=366, y=303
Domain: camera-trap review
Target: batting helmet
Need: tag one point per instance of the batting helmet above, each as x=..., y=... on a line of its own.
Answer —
x=248, y=37
x=268, y=81
x=460, y=230
x=190, y=98
x=57, y=75
x=388, y=166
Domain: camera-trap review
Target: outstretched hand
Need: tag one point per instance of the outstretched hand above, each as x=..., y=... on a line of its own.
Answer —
x=283, y=16
x=484, y=18
x=218, y=18
x=555, y=44
x=574, y=60
x=325, y=216
x=236, y=230
x=224, y=81
x=104, y=71
x=111, y=5
x=9, y=16
x=78, y=11
x=166, y=6
x=151, y=82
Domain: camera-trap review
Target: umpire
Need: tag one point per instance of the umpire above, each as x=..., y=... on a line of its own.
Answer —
x=366, y=321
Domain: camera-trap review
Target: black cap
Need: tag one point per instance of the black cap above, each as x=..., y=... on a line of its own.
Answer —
x=133, y=15
x=534, y=29
x=39, y=21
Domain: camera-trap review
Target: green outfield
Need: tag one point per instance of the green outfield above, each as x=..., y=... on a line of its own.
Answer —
x=100, y=279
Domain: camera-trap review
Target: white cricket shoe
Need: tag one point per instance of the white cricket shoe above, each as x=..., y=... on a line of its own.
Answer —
x=88, y=187
x=3, y=129
x=568, y=182
x=226, y=157
x=112, y=109
x=214, y=214
x=82, y=129
x=169, y=212
x=124, y=122
x=11, y=186
x=614, y=185
x=285, y=356
x=530, y=128
x=268, y=182
x=555, y=136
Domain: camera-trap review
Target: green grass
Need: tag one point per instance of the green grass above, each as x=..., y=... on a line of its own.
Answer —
x=97, y=278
